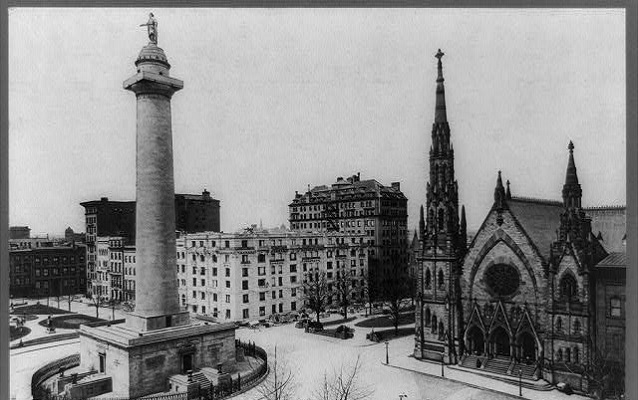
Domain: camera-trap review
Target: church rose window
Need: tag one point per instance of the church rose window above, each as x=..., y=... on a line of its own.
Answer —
x=502, y=279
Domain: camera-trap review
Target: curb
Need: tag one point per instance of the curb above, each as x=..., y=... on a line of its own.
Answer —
x=455, y=380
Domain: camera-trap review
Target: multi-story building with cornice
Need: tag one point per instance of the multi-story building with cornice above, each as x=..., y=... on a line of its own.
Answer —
x=367, y=208
x=257, y=274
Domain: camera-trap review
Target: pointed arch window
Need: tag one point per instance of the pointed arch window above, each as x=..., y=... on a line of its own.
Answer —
x=428, y=278
x=559, y=355
x=576, y=327
x=441, y=279
x=427, y=316
x=441, y=221
x=434, y=324
x=568, y=287
x=559, y=324
x=441, y=330
x=575, y=355
x=568, y=358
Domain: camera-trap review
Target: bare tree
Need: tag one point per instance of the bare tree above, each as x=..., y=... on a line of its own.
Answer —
x=344, y=291
x=70, y=297
x=280, y=382
x=394, y=292
x=316, y=292
x=342, y=385
x=97, y=301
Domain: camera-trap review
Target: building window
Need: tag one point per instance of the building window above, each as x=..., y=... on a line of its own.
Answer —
x=568, y=288
x=293, y=268
x=244, y=285
x=261, y=271
x=227, y=298
x=194, y=281
x=274, y=294
x=214, y=271
x=261, y=258
x=203, y=296
x=262, y=296
x=194, y=294
x=245, y=298
x=262, y=311
x=245, y=313
x=244, y=272
x=203, y=282
x=281, y=293
x=293, y=292
x=293, y=279
x=614, y=307
x=227, y=271
x=244, y=259
x=227, y=314
x=228, y=284
x=293, y=305
x=226, y=244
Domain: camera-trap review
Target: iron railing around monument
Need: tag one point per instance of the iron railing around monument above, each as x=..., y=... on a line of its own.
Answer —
x=225, y=389
x=38, y=391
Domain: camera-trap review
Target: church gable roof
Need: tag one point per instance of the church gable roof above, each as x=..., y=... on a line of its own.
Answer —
x=540, y=220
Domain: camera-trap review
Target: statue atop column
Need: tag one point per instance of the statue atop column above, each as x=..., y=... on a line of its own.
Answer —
x=152, y=28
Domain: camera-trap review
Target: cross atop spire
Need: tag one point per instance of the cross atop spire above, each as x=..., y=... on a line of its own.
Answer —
x=440, y=55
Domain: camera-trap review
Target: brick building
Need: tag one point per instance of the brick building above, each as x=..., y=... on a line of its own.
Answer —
x=367, y=208
x=47, y=271
x=539, y=289
x=106, y=218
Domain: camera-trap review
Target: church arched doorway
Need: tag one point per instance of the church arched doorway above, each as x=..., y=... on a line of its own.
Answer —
x=500, y=341
x=527, y=344
x=476, y=341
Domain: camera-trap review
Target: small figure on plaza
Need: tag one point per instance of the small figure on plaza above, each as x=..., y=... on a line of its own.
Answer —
x=152, y=28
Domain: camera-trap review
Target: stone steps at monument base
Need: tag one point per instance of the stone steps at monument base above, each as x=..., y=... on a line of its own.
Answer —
x=201, y=379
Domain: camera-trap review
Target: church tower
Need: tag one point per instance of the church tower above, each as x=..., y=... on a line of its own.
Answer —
x=443, y=243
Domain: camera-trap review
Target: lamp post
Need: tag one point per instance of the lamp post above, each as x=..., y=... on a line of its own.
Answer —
x=402, y=396
x=442, y=367
x=387, y=359
x=520, y=382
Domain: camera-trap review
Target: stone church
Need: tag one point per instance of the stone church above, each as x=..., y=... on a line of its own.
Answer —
x=537, y=290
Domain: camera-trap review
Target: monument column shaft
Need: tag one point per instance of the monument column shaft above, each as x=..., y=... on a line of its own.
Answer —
x=156, y=284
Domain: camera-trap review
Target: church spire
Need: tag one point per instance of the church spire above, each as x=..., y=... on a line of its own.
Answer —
x=499, y=192
x=463, y=231
x=422, y=223
x=572, y=193
x=440, y=114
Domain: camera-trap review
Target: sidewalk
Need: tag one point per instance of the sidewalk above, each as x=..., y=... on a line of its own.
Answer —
x=403, y=359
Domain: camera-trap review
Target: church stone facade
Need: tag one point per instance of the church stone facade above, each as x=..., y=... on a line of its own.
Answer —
x=520, y=298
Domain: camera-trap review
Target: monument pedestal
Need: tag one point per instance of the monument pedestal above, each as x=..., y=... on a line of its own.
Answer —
x=140, y=362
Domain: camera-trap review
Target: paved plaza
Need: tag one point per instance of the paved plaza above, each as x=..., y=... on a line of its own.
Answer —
x=310, y=356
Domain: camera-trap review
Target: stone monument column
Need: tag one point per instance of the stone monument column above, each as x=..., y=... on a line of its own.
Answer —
x=156, y=296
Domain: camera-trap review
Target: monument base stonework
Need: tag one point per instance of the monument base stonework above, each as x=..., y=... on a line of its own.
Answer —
x=140, y=363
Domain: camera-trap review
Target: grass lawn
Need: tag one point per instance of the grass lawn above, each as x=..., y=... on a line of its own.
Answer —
x=38, y=309
x=17, y=333
x=384, y=321
x=70, y=321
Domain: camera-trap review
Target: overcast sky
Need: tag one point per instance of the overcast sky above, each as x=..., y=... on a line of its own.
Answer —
x=275, y=100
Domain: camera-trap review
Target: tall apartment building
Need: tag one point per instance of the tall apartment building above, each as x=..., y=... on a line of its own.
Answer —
x=253, y=275
x=47, y=271
x=363, y=207
x=107, y=218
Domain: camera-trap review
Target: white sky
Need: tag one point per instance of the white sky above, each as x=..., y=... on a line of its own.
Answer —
x=274, y=100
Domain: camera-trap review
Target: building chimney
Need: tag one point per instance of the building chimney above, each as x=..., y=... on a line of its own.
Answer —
x=206, y=194
x=396, y=185
x=104, y=199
